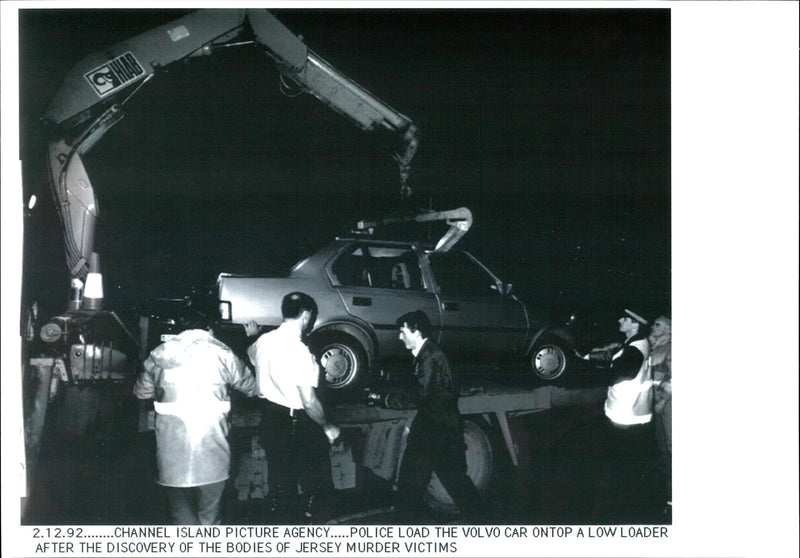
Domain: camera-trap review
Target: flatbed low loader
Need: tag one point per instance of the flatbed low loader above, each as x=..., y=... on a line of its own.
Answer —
x=87, y=353
x=382, y=435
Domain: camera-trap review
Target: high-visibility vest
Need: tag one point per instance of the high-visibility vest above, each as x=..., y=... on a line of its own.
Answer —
x=629, y=402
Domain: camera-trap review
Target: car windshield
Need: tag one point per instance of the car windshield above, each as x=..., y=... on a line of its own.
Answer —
x=457, y=274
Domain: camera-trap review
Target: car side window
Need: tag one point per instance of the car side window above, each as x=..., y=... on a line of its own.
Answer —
x=456, y=274
x=380, y=267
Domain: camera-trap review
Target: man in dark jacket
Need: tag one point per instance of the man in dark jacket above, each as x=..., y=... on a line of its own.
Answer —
x=436, y=437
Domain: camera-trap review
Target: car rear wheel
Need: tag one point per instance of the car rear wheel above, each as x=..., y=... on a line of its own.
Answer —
x=548, y=360
x=480, y=465
x=342, y=359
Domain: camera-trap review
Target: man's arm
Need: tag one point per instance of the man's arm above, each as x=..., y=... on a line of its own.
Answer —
x=314, y=409
x=145, y=387
x=408, y=399
x=252, y=330
x=241, y=379
x=435, y=381
x=627, y=365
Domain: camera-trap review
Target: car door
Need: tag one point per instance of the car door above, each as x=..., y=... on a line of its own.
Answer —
x=479, y=320
x=378, y=283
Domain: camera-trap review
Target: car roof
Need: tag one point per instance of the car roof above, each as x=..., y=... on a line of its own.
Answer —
x=378, y=240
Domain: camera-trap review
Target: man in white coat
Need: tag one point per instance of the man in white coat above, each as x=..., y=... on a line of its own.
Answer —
x=189, y=377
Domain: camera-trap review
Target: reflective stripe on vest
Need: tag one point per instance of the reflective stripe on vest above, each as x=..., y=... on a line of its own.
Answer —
x=629, y=401
x=179, y=409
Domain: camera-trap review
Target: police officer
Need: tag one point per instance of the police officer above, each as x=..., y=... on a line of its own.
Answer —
x=626, y=440
x=629, y=398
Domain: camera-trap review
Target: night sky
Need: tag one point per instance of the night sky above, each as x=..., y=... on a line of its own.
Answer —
x=561, y=130
x=552, y=126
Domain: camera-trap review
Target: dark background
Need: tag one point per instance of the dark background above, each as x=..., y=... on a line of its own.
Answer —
x=552, y=126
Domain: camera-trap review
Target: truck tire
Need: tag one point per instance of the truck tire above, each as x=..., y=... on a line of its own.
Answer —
x=548, y=359
x=480, y=466
x=342, y=358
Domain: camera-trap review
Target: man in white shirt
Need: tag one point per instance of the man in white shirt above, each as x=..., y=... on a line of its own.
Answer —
x=294, y=430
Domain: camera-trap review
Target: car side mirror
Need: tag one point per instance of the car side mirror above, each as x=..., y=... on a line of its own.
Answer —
x=507, y=289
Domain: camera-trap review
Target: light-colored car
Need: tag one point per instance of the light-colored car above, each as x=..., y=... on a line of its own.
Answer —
x=362, y=285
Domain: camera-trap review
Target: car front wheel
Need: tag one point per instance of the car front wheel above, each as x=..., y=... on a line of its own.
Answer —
x=342, y=359
x=548, y=360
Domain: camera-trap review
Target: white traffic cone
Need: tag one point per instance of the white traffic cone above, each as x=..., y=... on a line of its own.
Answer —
x=93, y=292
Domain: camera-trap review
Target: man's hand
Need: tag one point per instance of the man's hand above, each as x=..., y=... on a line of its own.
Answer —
x=372, y=398
x=603, y=355
x=251, y=328
x=332, y=432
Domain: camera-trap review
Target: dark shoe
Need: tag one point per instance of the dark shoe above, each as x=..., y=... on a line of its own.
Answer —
x=667, y=513
x=309, y=509
x=274, y=505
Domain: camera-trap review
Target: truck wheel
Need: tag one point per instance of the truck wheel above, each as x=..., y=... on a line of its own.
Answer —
x=548, y=360
x=342, y=358
x=480, y=465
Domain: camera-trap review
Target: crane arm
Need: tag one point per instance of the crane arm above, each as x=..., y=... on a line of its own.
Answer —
x=458, y=222
x=106, y=76
x=90, y=100
x=312, y=74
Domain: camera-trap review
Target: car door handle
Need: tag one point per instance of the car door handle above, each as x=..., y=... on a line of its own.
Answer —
x=452, y=306
x=362, y=301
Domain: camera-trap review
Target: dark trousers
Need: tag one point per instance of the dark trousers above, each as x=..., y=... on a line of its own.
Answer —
x=297, y=452
x=428, y=452
x=196, y=505
x=628, y=456
x=663, y=427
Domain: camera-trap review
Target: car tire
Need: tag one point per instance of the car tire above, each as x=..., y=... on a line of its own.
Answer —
x=342, y=359
x=480, y=466
x=548, y=360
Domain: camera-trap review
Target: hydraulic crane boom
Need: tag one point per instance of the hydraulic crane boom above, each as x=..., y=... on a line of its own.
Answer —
x=92, y=95
x=458, y=222
x=86, y=345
